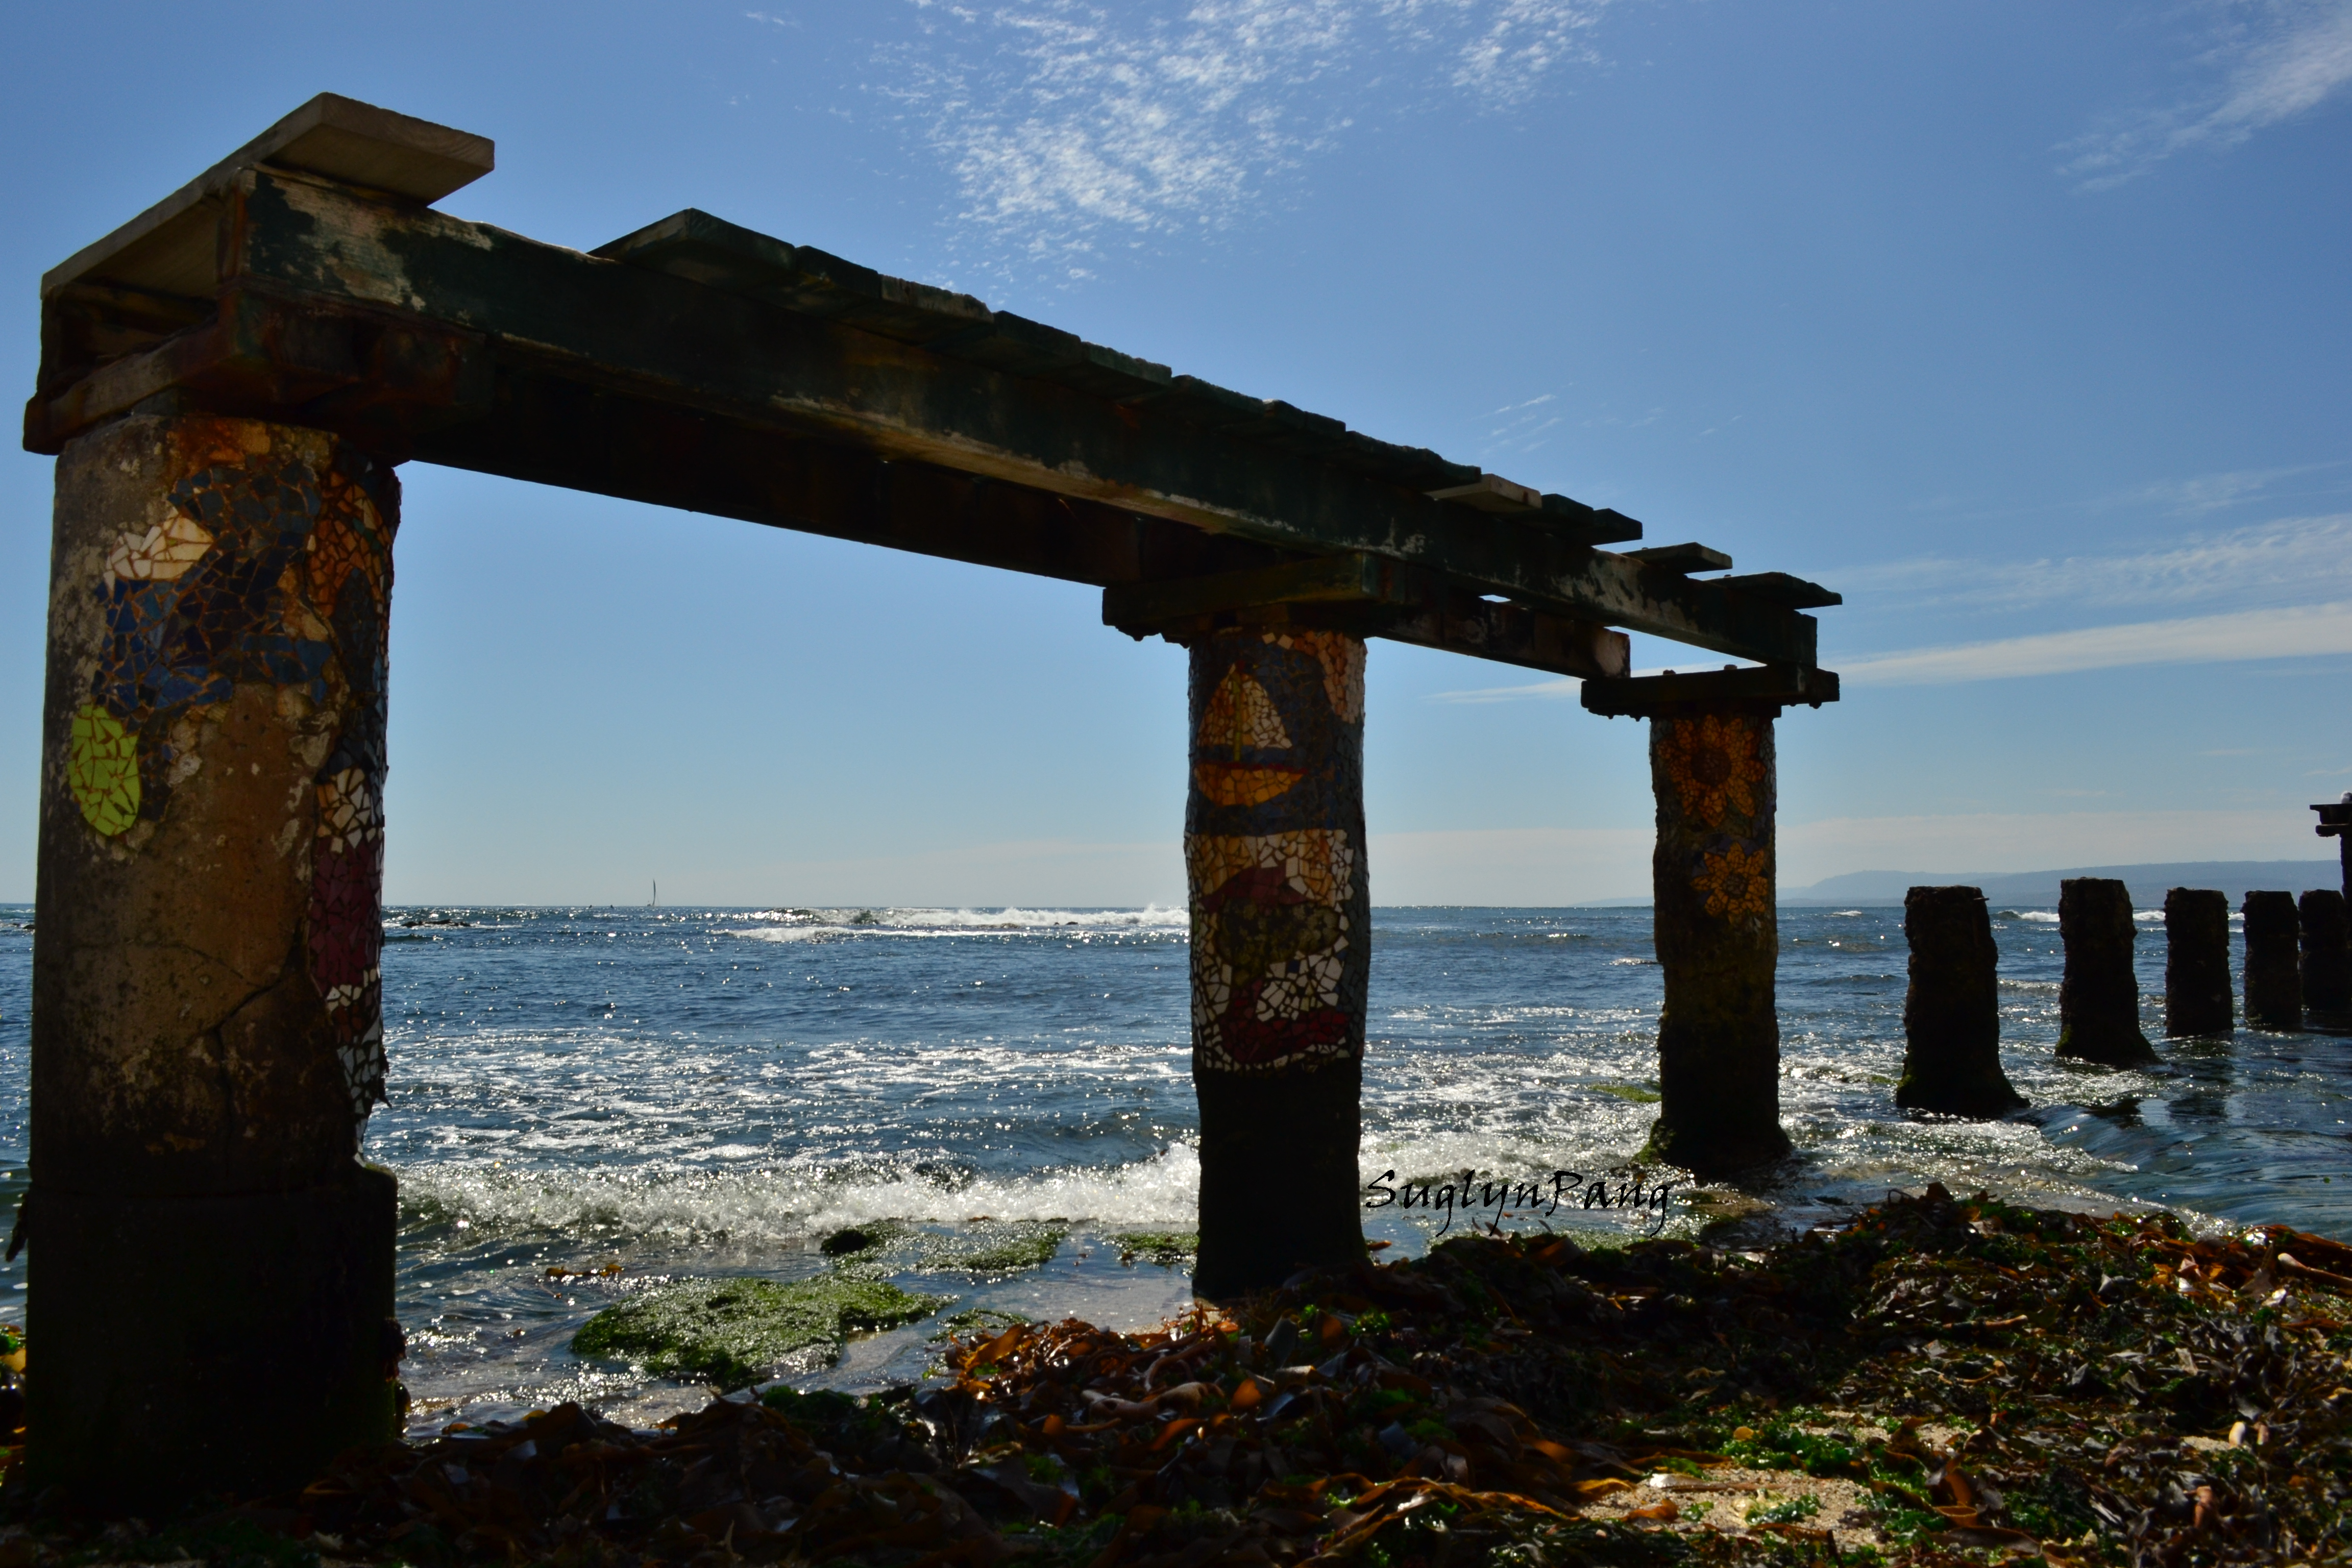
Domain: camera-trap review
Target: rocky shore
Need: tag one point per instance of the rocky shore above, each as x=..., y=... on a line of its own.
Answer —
x=1941, y=1380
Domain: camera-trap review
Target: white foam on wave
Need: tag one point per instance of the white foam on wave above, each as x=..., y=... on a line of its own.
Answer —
x=787, y=1203
x=802, y=925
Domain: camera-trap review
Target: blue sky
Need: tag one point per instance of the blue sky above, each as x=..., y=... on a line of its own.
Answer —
x=2024, y=325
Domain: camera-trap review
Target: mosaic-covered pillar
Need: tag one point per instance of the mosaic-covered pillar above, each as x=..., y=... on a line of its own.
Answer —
x=1717, y=938
x=1951, y=1012
x=2196, y=997
x=211, y=1265
x=1274, y=850
x=2098, y=996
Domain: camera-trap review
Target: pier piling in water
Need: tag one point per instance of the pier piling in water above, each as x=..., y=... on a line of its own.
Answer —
x=2197, y=998
x=2098, y=1000
x=1717, y=937
x=2325, y=969
x=1281, y=961
x=207, y=1021
x=2274, y=984
x=1952, y=1013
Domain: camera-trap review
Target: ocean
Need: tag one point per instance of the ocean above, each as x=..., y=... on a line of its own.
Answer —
x=584, y=1101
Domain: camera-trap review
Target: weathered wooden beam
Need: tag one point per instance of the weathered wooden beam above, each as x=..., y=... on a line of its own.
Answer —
x=1683, y=558
x=1782, y=588
x=1374, y=598
x=543, y=314
x=1648, y=696
x=170, y=248
x=1349, y=578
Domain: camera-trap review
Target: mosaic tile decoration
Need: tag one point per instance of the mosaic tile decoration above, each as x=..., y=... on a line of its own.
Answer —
x=264, y=570
x=1714, y=777
x=1274, y=833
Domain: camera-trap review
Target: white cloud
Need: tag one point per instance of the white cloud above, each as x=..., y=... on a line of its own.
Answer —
x=2267, y=60
x=2238, y=636
x=1070, y=126
x=2304, y=557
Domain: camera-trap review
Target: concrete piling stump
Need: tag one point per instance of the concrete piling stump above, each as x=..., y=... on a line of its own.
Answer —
x=2196, y=997
x=1952, y=1013
x=2098, y=1000
x=2273, y=983
x=1281, y=961
x=211, y=1264
x=2325, y=969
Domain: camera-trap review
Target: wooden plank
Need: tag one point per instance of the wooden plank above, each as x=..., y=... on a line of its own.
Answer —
x=170, y=248
x=1513, y=634
x=1782, y=588
x=549, y=315
x=1349, y=577
x=1683, y=558
x=1491, y=492
x=1650, y=696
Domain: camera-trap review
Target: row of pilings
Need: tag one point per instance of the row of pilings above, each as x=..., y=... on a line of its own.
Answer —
x=2298, y=970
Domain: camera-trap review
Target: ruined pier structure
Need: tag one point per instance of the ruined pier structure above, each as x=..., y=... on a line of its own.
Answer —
x=229, y=383
x=2298, y=974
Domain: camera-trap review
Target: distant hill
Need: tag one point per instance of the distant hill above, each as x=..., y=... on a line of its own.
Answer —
x=2028, y=889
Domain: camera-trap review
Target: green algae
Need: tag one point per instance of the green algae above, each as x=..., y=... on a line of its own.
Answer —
x=1166, y=1248
x=732, y=1332
x=1008, y=1251
x=1631, y=1093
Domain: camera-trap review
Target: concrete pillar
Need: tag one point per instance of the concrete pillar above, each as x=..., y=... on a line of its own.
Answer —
x=2326, y=967
x=1952, y=1013
x=2273, y=987
x=1274, y=851
x=1717, y=938
x=2196, y=999
x=2098, y=1000
x=211, y=1265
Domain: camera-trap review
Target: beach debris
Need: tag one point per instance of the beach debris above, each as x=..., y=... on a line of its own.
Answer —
x=733, y=1333
x=1940, y=1381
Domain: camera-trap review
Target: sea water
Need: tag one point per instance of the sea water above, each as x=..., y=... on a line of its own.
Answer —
x=675, y=1093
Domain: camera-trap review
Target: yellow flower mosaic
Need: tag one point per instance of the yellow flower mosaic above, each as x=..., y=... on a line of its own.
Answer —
x=1737, y=883
x=1714, y=765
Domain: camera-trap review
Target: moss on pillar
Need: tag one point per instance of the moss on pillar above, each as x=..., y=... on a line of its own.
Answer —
x=2196, y=999
x=1718, y=942
x=1951, y=1012
x=206, y=1021
x=2273, y=981
x=2098, y=999
x=1281, y=964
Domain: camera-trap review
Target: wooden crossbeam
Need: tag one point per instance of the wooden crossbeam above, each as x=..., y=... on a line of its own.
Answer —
x=1373, y=596
x=427, y=337
x=1774, y=687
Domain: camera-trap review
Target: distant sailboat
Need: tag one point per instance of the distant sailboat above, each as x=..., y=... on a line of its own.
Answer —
x=655, y=902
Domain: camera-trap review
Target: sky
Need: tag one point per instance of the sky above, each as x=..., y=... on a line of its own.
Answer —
x=2024, y=326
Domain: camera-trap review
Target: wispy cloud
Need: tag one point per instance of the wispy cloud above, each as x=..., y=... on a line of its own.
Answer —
x=1071, y=127
x=2295, y=559
x=2260, y=61
x=2232, y=637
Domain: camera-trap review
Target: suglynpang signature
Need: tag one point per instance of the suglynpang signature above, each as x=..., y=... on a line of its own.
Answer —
x=1511, y=1199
